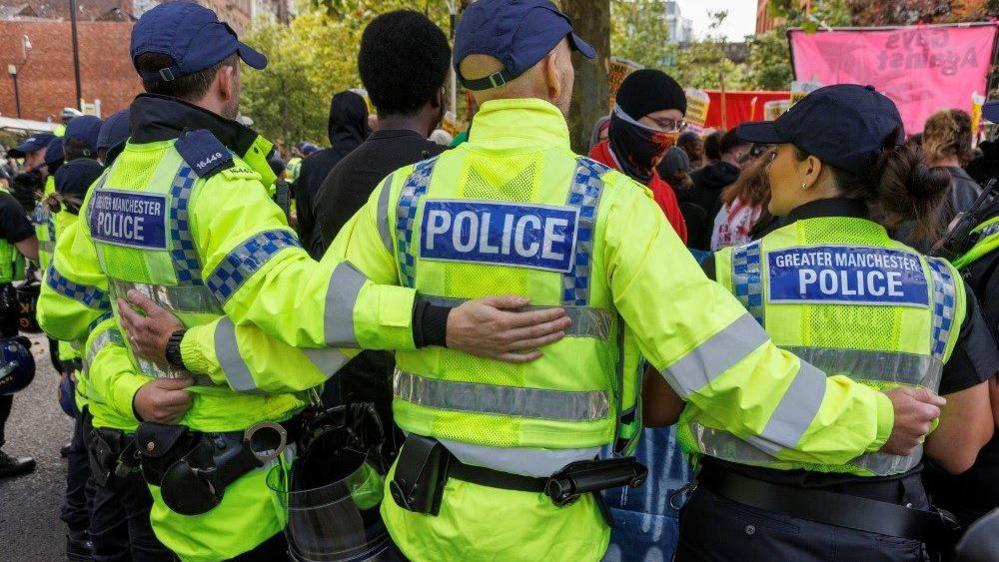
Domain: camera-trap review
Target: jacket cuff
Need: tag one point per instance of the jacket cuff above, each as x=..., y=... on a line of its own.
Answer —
x=124, y=393
x=429, y=323
x=886, y=420
x=195, y=360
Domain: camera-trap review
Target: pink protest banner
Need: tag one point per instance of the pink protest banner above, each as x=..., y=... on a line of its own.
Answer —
x=921, y=68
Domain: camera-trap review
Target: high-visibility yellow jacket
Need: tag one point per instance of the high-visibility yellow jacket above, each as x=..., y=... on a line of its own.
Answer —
x=514, y=210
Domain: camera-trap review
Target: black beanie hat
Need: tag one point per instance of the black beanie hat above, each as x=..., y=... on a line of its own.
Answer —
x=649, y=90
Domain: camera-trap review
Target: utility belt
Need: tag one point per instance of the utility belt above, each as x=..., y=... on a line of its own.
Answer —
x=425, y=466
x=112, y=455
x=193, y=469
x=935, y=528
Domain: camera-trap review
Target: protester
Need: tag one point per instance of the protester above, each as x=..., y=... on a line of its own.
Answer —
x=712, y=147
x=647, y=119
x=985, y=167
x=675, y=169
x=744, y=204
x=692, y=144
x=403, y=62
x=600, y=131
x=710, y=180
x=347, y=127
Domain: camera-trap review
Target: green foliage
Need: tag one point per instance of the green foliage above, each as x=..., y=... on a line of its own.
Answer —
x=310, y=60
x=639, y=32
x=770, y=61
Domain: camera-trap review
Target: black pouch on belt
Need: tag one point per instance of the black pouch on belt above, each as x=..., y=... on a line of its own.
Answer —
x=103, y=451
x=196, y=483
x=420, y=475
x=159, y=447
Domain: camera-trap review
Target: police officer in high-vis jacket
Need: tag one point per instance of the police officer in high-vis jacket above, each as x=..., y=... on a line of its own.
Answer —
x=182, y=219
x=833, y=288
x=973, y=493
x=499, y=459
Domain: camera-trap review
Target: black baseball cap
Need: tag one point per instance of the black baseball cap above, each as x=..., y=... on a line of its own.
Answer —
x=54, y=152
x=517, y=32
x=31, y=144
x=192, y=36
x=86, y=129
x=845, y=125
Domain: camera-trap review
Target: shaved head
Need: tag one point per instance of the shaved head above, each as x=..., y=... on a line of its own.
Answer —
x=551, y=79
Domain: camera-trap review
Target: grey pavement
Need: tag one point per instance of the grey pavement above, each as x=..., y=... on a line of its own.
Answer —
x=30, y=529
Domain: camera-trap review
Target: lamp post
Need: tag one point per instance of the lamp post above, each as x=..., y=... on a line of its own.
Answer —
x=76, y=53
x=12, y=70
x=452, y=7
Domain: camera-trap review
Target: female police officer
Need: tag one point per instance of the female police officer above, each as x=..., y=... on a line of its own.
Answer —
x=834, y=289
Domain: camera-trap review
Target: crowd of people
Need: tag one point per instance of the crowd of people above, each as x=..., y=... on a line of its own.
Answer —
x=407, y=346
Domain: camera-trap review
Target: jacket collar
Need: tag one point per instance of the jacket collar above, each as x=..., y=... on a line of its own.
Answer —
x=155, y=118
x=837, y=207
x=521, y=124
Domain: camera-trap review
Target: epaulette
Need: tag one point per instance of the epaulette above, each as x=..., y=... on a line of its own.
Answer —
x=204, y=153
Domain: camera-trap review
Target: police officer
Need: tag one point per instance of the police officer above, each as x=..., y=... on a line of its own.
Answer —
x=112, y=137
x=119, y=519
x=975, y=492
x=491, y=458
x=17, y=241
x=183, y=217
x=32, y=151
x=834, y=289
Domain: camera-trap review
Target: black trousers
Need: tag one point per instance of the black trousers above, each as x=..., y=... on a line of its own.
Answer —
x=714, y=528
x=79, y=484
x=120, y=527
x=8, y=329
x=274, y=549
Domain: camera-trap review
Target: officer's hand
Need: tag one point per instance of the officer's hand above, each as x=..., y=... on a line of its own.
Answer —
x=491, y=327
x=148, y=334
x=163, y=400
x=994, y=395
x=915, y=410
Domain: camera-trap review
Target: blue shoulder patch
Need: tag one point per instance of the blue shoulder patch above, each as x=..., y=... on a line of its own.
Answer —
x=204, y=153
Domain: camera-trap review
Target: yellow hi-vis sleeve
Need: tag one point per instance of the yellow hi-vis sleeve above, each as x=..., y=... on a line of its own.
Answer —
x=261, y=275
x=715, y=355
x=74, y=291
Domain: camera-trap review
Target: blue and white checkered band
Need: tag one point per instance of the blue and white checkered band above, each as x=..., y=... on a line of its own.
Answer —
x=91, y=297
x=747, y=280
x=988, y=231
x=246, y=259
x=584, y=194
x=186, y=262
x=944, y=303
x=414, y=188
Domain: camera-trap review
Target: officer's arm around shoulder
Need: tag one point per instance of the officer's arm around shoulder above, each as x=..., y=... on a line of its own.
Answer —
x=714, y=355
x=258, y=271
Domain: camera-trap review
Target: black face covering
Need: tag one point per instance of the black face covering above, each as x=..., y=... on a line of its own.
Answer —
x=637, y=148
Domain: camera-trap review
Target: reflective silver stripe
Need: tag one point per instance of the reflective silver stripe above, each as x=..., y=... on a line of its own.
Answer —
x=884, y=464
x=328, y=360
x=519, y=460
x=341, y=298
x=235, y=369
x=516, y=401
x=46, y=246
x=794, y=412
x=587, y=322
x=718, y=354
x=723, y=445
x=875, y=366
x=382, y=213
x=105, y=338
x=183, y=298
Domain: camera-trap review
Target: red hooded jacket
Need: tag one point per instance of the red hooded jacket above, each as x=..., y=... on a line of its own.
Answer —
x=661, y=190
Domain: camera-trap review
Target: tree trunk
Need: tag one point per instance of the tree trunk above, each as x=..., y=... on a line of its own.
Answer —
x=591, y=20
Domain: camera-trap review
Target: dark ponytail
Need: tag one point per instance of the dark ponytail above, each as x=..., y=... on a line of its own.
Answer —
x=903, y=188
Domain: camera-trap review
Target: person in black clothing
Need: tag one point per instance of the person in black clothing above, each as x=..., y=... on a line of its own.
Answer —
x=348, y=127
x=15, y=229
x=711, y=180
x=986, y=166
x=403, y=62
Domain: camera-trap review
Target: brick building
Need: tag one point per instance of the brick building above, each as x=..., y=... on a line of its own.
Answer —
x=45, y=78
